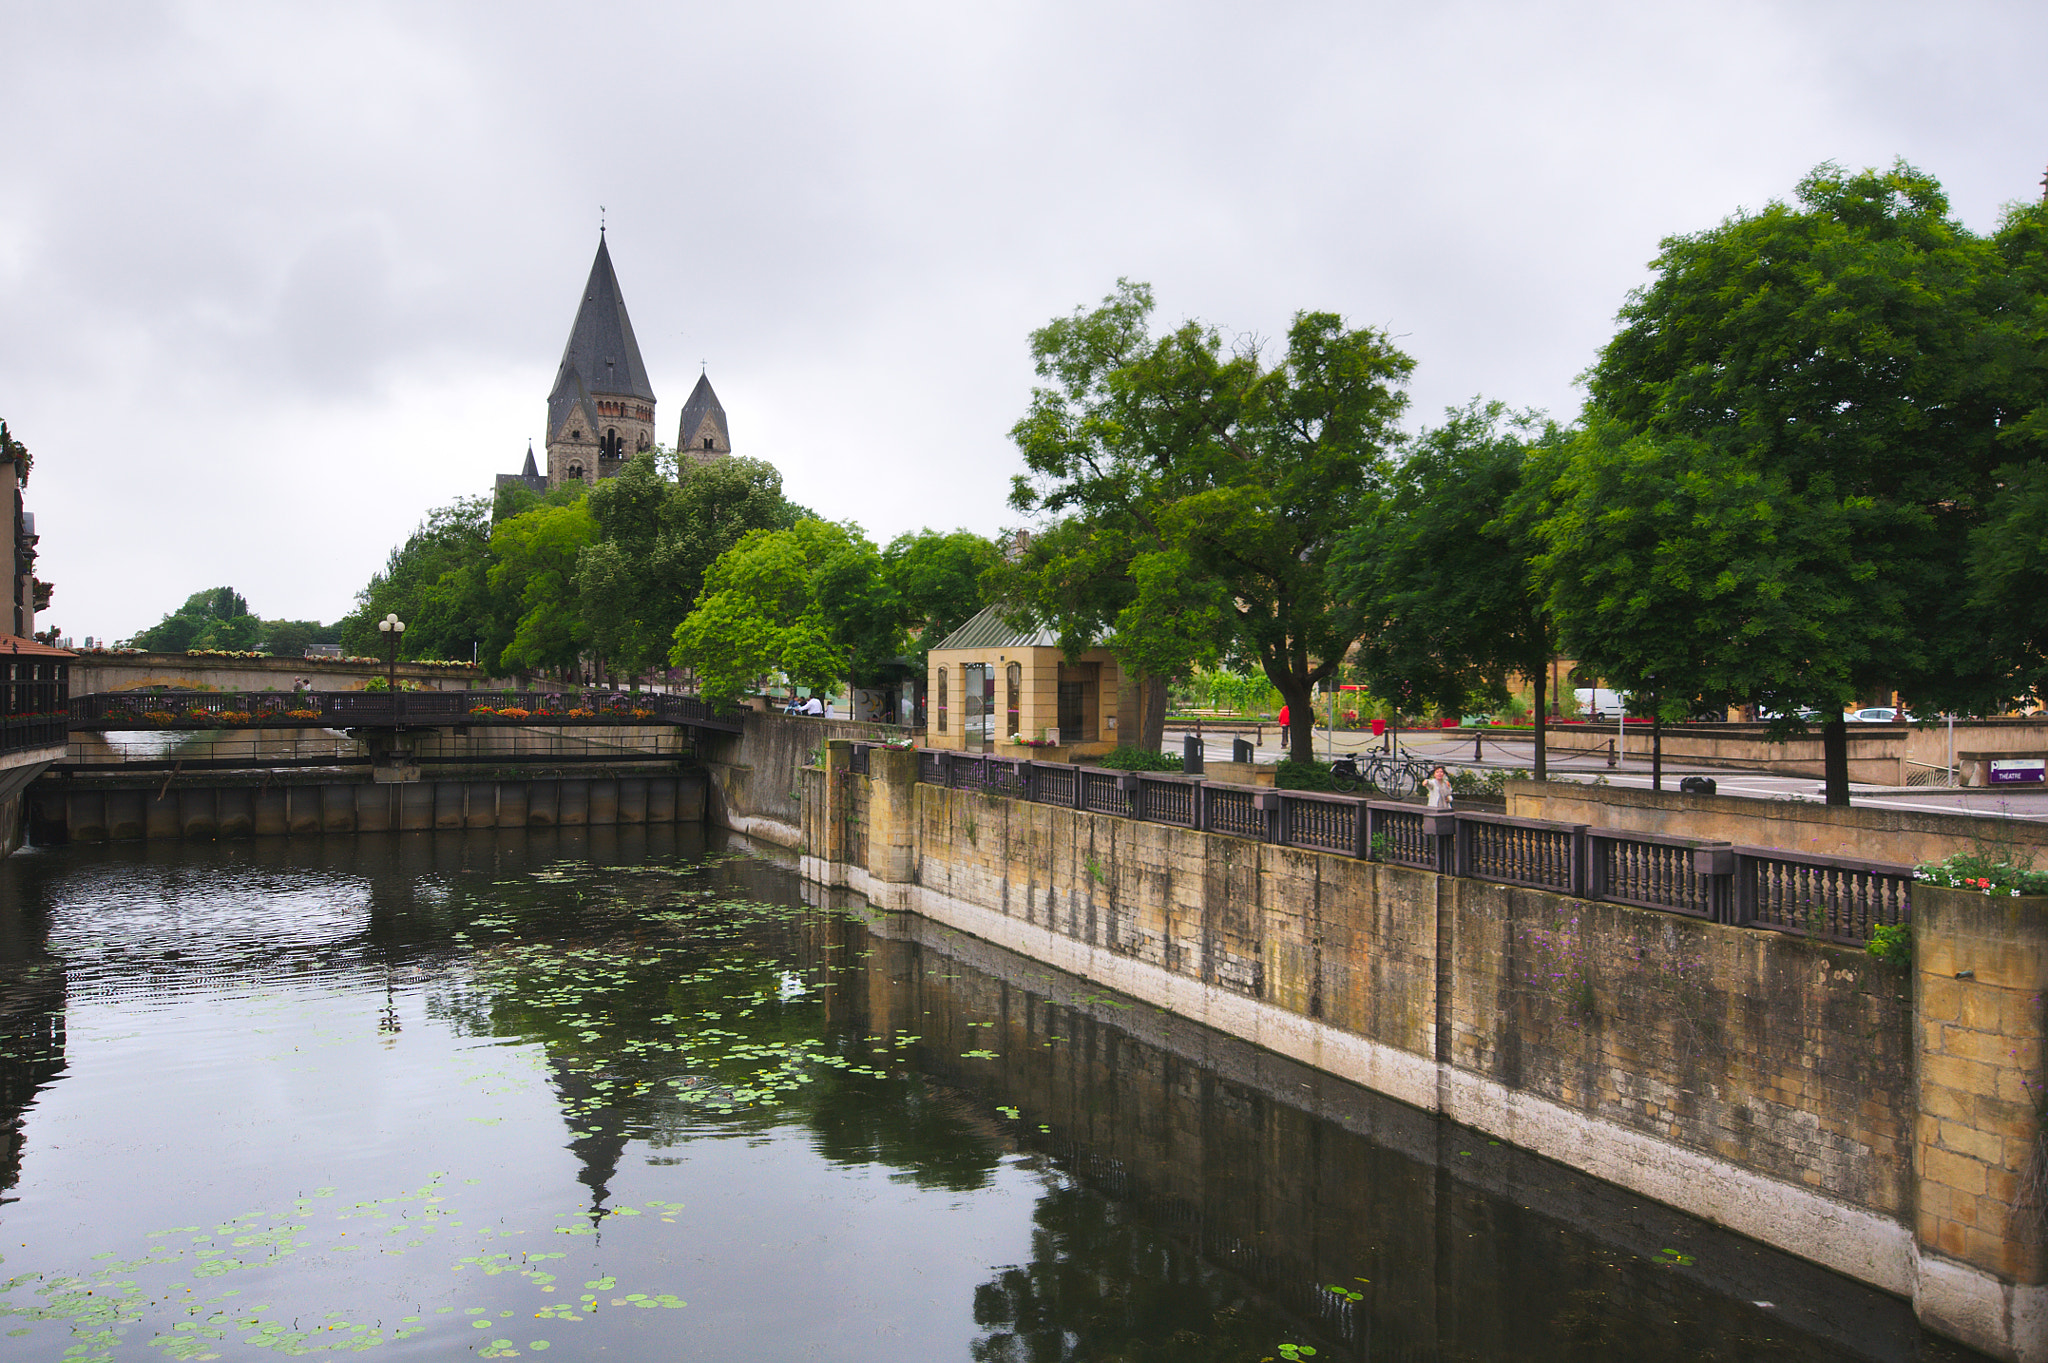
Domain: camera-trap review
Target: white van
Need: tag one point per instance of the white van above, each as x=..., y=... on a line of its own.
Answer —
x=1597, y=702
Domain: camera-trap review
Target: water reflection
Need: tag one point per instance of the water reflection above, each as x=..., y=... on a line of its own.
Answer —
x=554, y=1082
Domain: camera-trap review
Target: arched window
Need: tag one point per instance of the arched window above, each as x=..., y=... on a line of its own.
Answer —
x=707, y=442
x=611, y=447
x=576, y=472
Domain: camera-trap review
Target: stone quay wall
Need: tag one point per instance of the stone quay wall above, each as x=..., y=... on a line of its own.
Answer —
x=1882, y=1121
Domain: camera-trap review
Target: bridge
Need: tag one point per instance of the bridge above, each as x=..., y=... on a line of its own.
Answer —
x=215, y=710
x=97, y=670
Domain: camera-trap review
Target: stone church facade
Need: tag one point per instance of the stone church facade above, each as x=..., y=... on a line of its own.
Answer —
x=601, y=409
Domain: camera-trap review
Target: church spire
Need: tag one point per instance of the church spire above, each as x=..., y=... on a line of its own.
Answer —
x=602, y=351
x=702, y=434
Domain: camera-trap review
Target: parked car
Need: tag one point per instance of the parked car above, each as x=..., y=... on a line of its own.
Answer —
x=1878, y=714
x=1808, y=715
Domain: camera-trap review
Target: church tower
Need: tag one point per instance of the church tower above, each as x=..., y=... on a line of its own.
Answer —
x=701, y=436
x=601, y=412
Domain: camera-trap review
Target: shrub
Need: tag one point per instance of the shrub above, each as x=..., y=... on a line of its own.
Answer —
x=1310, y=775
x=1981, y=872
x=1492, y=785
x=1891, y=943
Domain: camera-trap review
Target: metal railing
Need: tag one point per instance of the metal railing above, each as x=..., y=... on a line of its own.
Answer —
x=19, y=733
x=347, y=709
x=1836, y=898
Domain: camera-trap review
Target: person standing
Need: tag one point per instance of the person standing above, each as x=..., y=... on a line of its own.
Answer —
x=1438, y=788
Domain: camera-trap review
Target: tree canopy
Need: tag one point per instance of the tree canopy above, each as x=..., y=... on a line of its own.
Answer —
x=218, y=617
x=1194, y=495
x=761, y=610
x=1788, y=449
x=1440, y=567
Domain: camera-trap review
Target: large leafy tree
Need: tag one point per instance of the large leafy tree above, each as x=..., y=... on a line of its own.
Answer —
x=1787, y=447
x=438, y=583
x=218, y=617
x=1440, y=567
x=2009, y=551
x=1194, y=495
x=656, y=539
x=533, y=572
x=935, y=583
x=761, y=610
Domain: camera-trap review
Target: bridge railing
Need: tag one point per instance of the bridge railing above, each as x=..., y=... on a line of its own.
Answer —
x=348, y=709
x=1837, y=898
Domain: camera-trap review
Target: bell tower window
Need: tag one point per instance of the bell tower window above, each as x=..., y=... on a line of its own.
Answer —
x=576, y=472
x=611, y=447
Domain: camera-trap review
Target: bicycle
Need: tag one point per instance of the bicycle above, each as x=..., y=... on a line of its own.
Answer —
x=1390, y=775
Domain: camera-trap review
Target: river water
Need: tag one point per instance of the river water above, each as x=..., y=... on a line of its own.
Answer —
x=629, y=1094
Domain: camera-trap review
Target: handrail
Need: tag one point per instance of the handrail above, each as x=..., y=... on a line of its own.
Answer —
x=1840, y=898
x=343, y=709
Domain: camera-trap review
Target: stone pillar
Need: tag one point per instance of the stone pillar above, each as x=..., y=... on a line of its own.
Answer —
x=832, y=802
x=1980, y=1151
x=892, y=818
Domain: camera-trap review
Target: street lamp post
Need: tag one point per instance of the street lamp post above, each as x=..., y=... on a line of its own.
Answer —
x=391, y=627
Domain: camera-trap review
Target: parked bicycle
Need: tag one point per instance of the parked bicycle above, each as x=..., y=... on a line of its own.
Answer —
x=1379, y=771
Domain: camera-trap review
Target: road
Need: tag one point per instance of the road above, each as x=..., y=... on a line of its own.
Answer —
x=1569, y=761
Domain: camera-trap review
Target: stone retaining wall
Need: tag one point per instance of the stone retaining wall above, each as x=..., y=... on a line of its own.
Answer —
x=1875, y=1119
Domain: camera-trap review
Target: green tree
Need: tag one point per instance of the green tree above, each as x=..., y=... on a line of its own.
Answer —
x=533, y=568
x=656, y=538
x=760, y=612
x=1440, y=568
x=2009, y=551
x=215, y=618
x=935, y=579
x=438, y=583
x=1194, y=496
x=1833, y=372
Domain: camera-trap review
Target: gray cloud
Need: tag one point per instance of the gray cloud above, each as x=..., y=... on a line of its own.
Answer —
x=275, y=280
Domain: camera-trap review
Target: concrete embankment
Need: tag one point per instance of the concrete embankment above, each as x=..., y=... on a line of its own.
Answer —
x=1881, y=1120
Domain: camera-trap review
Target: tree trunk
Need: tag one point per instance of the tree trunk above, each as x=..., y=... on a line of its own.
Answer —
x=1154, y=690
x=1301, y=724
x=1656, y=750
x=1834, y=748
x=1541, y=768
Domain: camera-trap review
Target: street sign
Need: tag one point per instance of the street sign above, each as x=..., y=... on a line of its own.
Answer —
x=2013, y=771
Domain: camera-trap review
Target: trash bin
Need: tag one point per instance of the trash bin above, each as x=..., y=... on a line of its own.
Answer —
x=1191, y=755
x=1241, y=750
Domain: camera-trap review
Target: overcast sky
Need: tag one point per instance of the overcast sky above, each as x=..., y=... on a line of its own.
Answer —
x=276, y=279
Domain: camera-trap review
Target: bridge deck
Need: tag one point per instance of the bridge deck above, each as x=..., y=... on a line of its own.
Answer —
x=117, y=710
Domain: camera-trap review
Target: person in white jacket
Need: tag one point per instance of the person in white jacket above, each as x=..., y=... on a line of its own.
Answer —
x=1439, y=788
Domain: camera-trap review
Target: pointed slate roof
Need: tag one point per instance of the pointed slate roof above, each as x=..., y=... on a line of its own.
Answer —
x=532, y=470
x=602, y=356
x=702, y=402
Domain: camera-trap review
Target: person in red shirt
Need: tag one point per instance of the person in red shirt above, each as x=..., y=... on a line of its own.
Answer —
x=1283, y=730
